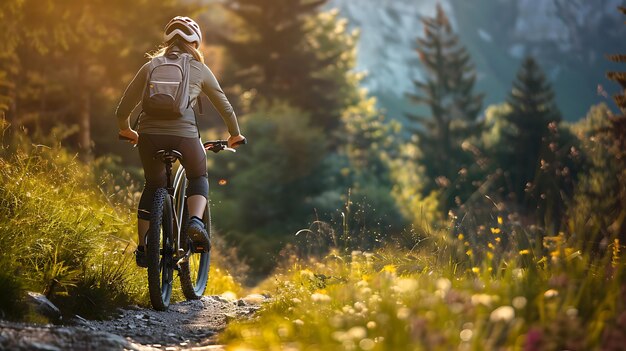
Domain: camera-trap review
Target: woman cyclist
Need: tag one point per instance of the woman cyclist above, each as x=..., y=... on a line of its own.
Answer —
x=182, y=35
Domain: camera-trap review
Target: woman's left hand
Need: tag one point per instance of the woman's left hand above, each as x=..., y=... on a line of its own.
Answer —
x=235, y=140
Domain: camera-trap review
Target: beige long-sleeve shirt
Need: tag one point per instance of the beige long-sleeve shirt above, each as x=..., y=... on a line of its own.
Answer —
x=201, y=79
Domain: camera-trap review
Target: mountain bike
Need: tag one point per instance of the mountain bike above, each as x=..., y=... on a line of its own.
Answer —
x=167, y=246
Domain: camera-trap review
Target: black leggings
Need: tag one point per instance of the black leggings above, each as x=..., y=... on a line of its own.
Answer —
x=194, y=161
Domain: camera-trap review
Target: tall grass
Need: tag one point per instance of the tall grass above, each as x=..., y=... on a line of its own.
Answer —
x=70, y=234
x=444, y=294
x=61, y=236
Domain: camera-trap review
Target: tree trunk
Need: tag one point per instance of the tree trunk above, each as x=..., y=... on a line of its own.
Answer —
x=84, y=116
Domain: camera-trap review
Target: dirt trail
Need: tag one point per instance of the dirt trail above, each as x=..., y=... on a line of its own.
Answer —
x=186, y=325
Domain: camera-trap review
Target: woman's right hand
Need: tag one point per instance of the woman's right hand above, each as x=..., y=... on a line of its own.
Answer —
x=235, y=140
x=130, y=135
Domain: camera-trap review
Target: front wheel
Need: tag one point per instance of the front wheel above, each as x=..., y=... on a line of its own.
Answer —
x=194, y=273
x=159, y=251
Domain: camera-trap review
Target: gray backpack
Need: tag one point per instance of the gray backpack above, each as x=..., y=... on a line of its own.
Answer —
x=166, y=95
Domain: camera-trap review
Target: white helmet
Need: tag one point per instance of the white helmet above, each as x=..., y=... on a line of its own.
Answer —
x=184, y=27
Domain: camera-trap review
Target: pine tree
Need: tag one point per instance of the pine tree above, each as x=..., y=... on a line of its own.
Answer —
x=454, y=108
x=533, y=115
x=280, y=55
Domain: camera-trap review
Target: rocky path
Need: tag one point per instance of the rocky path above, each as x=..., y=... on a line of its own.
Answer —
x=186, y=325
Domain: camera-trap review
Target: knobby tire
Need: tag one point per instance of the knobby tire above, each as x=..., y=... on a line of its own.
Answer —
x=193, y=279
x=159, y=238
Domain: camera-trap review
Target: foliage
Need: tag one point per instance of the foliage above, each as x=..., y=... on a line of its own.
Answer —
x=598, y=201
x=271, y=183
x=532, y=111
x=427, y=299
x=61, y=236
x=290, y=51
x=71, y=238
x=447, y=92
x=67, y=63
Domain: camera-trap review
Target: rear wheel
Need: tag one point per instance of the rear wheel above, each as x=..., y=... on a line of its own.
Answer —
x=159, y=251
x=194, y=273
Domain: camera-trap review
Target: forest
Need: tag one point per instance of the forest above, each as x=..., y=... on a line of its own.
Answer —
x=446, y=224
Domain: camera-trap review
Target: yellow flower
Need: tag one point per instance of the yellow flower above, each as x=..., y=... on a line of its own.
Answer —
x=461, y=236
x=469, y=252
x=499, y=220
x=524, y=252
x=475, y=269
x=495, y=231
x=498, y=239
x=490, y=255
x=389, y=268
x=490, y=245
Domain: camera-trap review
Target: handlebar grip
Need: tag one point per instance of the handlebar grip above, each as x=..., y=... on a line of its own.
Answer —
x=241, y=142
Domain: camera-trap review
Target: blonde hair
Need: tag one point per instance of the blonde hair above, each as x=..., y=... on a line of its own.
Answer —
x=180, y=44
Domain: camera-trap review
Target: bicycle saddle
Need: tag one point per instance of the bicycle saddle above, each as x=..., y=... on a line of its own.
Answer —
x=168, y=156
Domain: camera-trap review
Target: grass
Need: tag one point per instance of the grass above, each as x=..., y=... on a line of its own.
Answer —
x=431, y=298
x=69, y=234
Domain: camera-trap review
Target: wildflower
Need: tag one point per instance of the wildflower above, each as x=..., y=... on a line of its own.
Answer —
x=502, y=313
x=524, y=252
x=319, y=297
x=466, y=335
x=495, y=231
x=490, y=255
x=403, y=313
x=389, y=268
x=469, y=252
x=475, y=269
x=571, y=312
x=499, y=220
x=551, y=293
x=357, y=332
x=519, y=302
x=490, y=245
x=443, y=284
x=481, y=299
x=367, y=344
x=498, y=239
x=461, y=236
x=405, y=285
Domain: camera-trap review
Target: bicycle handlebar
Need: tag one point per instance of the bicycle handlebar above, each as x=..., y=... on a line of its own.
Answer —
x=211, y=145
x=219, y=145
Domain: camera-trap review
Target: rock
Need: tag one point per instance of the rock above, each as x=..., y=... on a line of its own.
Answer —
x=44, y=307
x=254, y=299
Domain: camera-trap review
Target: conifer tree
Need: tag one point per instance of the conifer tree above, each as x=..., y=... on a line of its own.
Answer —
x=448, y=93
x=279, y=56
x=533, y=115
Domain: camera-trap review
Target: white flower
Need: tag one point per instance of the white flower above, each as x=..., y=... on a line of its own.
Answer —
x=502, y=313
x=482, y=299
x=466, y=335
x=551, y=293
x=357, y=333
x=318, y=297
x=443, y=284
x=519, y=302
